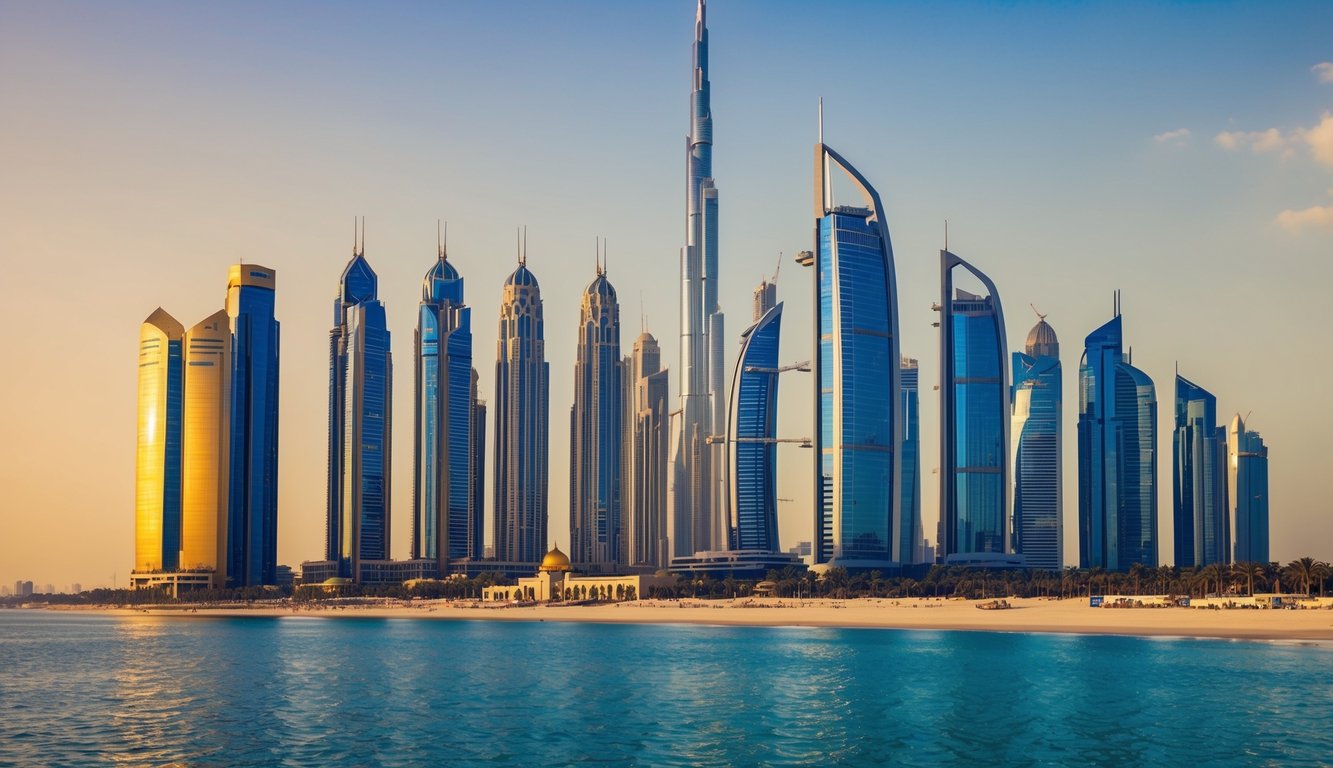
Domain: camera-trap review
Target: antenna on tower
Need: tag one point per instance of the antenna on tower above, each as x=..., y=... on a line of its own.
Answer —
x=1039, y=315
x=524, y=262
x=946, y=234
x=821, y=119
x=362, y=250
x=442, y=240
x=643, y=318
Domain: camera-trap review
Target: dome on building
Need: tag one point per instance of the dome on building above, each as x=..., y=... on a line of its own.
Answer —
x=600, y=287
x=442, y=270
x=555, y=560
x=442, y=283
x=522, y=276
x=1042, y=341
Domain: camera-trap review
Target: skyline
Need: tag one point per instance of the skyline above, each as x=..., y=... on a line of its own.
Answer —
x=126, y=201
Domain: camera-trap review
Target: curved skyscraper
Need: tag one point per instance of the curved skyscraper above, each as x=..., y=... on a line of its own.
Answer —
x=360, y=418
x=522, y=425
x=858, y=418
x=752, y=428
x=1247, y=492
x=596, y=439
x=252, y=520
x=157, y=481
x=449, y=424
x=1117, y=455
x=1198, y=479
x=696, y=463
x=1037, y=429
x=974, y=416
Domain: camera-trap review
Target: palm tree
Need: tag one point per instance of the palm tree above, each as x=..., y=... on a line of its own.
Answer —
x=1250, y=571
x=1137, y=572
x=1303, y=571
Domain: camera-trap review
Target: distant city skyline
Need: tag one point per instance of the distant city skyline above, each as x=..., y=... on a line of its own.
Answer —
x=1211, y=166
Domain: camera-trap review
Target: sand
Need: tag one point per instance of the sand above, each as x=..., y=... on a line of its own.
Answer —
x=1025, y=615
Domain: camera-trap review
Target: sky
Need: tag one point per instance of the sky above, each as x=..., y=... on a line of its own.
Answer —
x=1179, y=152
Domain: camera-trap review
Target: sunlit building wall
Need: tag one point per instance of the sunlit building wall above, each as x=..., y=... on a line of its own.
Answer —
x=157, y=486
x=205, y=447
x=649, y=431
x=596, y=440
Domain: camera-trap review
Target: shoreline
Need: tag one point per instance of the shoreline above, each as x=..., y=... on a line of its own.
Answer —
x=1026, y=615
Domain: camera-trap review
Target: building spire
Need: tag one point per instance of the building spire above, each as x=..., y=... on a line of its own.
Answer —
x=1040, y=316
x=442, y=240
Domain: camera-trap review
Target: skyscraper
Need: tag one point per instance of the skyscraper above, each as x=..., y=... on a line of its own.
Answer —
x=859, y=430
x=648, y=437
x=1247, y=492
x=449, y=432
x=360, y=418
x=522, y=426
x=909, y=527
x=157, y=485
x=1037, y=429
x=974, y=415
x=1198, y=482
x=252, y=519
x=206, y=440
x=1117, y=455
x=696, y=463
x=596, y=433
x=751, y=431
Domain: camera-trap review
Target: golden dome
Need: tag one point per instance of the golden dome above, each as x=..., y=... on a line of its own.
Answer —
x=555, y=560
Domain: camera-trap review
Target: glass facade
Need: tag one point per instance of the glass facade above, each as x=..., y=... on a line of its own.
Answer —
x=909, y=529
x=1247, y=489
x=974, y=413
x=752, y=425
x=522, y=424
x=449, y=437
x=858, y=427
x=1198, y=483
x=1117, y=441
x=157, y=517
x=597, y=435
x=360, y=411
x=1039, y=448
x=646, y=474
x=252, y=519
x=205, y=446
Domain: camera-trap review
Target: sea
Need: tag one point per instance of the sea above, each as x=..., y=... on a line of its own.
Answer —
x=83, y=689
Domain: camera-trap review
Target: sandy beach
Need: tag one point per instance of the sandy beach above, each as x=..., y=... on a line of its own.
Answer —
x=1025, y=615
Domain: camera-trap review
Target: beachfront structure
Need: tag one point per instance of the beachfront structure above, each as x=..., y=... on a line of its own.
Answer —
x=1038, y=434
x=696, y=463
x=751, y=447
x=647, y=433
x=1247, y=492
x=557, y=580
x=360, y=419
x=252, y=519
x=974, y=415
x=1198, y=479
x=596, y=437
x=522, y=425
x=157, y=481
x=449, y=424
x=858, y=419
x=1117, y=455
x=909, y=527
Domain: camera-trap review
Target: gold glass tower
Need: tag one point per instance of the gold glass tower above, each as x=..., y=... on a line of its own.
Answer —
x=205, y=447
x=157, y=460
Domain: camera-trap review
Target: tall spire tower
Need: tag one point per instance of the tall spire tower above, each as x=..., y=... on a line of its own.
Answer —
x=697, y=495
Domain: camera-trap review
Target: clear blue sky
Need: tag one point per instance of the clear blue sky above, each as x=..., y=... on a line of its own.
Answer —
x=145, y=146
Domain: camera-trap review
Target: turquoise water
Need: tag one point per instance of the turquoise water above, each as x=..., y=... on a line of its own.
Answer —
x=80, y=690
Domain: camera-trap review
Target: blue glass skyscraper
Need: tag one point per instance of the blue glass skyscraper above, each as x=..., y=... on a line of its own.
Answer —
x=1117, y=456
x=858, y=424
x=974, y=416
x=449, y=424
x=360, y=418
x=1037, y=428
x=1198, y=479
x=1247, y=492
x=752, y=427
x=596, y=445
x=522, y=425
x=909, y=529
x=252, y=517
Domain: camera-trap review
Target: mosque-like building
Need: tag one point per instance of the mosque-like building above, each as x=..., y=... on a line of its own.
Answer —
x=556, y=580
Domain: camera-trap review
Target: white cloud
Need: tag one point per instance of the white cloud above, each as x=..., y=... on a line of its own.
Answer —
x=1177, y=137
x=1324, y=70
x=1320, y=140
x=1314, y=216
x=1270, y=140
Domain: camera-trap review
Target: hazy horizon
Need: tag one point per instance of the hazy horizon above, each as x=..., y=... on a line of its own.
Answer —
x=1180, y=153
